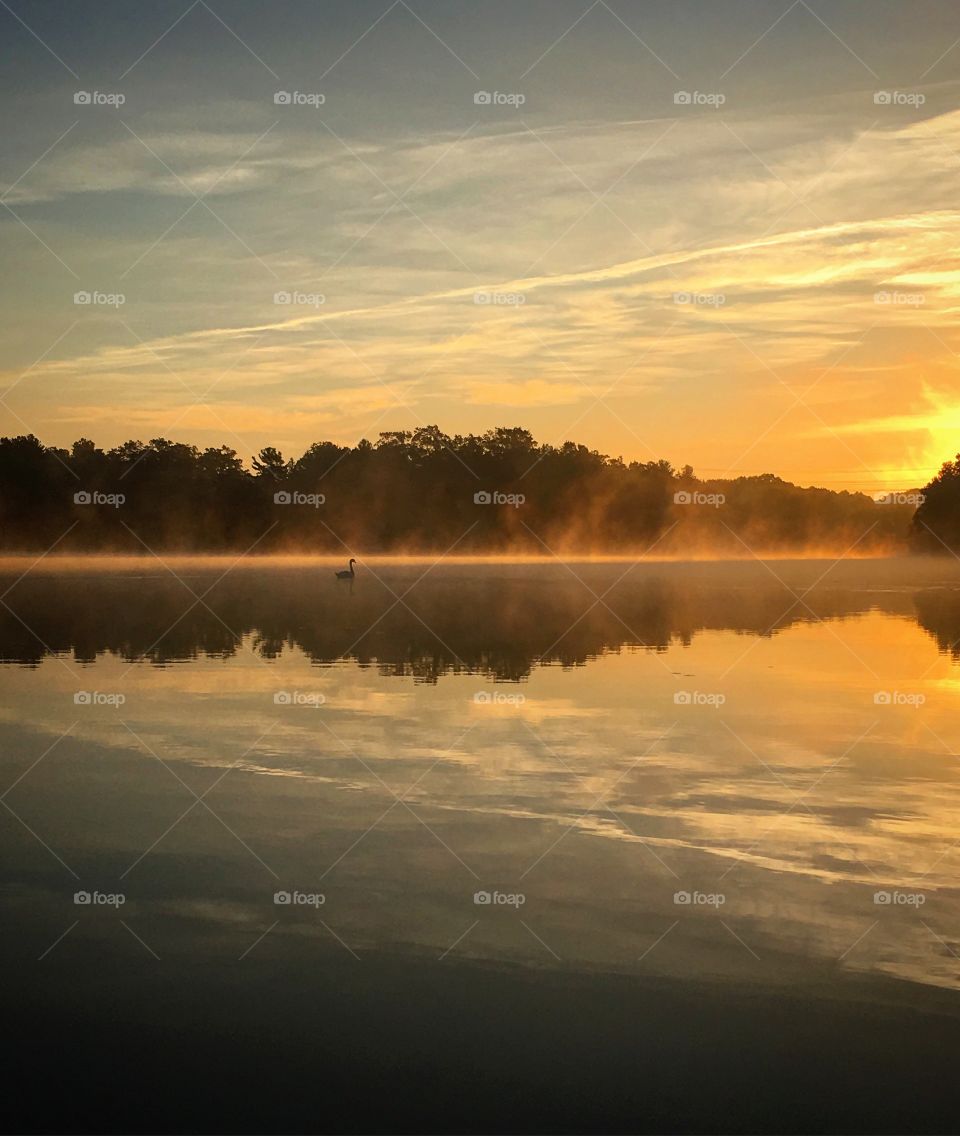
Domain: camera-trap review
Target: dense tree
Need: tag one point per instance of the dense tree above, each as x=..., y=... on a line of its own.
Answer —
x=416, y=490
x=936, y=525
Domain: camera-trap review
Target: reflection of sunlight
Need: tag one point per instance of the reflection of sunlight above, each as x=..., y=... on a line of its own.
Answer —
x=797, y=796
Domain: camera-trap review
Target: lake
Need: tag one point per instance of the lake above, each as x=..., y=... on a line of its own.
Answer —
x=479, y=846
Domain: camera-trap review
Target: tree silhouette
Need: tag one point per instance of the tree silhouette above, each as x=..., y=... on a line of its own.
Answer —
x=936, y=525
x=424, y=491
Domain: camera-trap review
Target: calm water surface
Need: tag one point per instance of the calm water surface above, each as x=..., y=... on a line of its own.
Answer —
x=744, y=775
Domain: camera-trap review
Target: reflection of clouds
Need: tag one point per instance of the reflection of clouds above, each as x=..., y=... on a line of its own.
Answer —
x=500, y=783
x=532, y=709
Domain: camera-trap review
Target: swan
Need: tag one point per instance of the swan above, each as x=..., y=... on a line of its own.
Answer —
x=348, y=573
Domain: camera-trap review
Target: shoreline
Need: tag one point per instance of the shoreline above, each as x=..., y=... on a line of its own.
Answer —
x=309, y=559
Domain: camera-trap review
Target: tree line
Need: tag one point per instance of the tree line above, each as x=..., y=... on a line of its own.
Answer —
x=425, y=491
x=936, y=523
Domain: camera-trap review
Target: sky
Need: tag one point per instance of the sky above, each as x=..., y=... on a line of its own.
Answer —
x=723, y=233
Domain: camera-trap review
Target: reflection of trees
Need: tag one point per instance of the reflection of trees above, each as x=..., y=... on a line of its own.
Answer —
x=938, y=612
x=461, y=618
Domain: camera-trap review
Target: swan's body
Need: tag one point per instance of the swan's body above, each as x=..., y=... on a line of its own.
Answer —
x=348, y=573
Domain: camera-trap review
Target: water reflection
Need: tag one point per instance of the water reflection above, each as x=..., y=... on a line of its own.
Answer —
x=776, y=743
x=425, y=621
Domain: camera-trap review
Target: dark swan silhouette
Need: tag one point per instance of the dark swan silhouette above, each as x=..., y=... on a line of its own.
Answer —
x=348, y=573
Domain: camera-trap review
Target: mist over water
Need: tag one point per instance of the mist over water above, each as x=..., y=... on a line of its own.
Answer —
x=599, y=738
x=421, y=491
x=397, y=735
x=496, y=616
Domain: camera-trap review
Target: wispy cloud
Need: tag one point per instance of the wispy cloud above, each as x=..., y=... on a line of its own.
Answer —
x=744, y=250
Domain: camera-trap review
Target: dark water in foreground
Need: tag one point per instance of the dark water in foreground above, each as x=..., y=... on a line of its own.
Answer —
x=714, y=808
